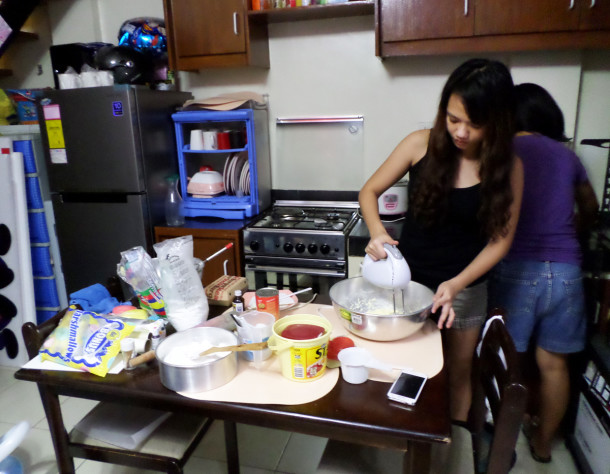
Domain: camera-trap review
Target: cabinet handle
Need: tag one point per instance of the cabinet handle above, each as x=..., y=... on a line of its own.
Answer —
x=466, y=7
x=592, y=4
x=235, y=23
x=571, y=7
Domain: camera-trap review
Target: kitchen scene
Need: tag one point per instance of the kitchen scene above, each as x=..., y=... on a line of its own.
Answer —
x=183, y=248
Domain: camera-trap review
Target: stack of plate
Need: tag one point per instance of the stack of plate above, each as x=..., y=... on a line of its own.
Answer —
x=236, y=174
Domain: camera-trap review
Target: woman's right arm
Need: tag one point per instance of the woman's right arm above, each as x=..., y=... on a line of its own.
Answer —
x=408, y=152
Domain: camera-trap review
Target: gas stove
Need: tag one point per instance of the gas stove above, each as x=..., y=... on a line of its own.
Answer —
x=299, y=244
x=302, y=229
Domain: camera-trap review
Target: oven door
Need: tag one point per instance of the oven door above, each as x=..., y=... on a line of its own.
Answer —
x=294, y=274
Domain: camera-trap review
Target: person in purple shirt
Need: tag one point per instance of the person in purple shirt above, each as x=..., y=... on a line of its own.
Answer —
x=539, y=282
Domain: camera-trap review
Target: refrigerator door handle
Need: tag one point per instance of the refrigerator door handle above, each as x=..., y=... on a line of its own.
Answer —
x=118, y=198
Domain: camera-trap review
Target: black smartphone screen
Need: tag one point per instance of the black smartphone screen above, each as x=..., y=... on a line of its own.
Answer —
x=408, y=385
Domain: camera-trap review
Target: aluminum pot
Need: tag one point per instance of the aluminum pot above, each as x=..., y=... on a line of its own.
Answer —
x=366, y=310
x=181, y=370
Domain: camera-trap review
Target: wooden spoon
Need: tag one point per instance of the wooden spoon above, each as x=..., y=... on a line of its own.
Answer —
x=254, y=346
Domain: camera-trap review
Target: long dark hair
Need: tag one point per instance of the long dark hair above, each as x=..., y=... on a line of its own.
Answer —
x=486, y=89
x=537, y=112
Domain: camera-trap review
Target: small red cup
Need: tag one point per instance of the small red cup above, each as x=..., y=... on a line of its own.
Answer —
x=224, y=140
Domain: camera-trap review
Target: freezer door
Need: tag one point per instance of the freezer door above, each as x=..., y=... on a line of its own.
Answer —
x=91, y=140
x=93, y=230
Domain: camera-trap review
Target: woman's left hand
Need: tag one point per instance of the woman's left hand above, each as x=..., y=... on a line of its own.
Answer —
x=443, y=299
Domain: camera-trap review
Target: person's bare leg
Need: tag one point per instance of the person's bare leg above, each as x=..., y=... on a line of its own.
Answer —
x=554, y=397
x=460, y=345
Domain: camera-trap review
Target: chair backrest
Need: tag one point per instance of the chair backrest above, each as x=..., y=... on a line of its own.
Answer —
x=498, y=382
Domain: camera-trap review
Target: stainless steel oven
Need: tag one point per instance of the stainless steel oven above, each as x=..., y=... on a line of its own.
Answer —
x=299, y=244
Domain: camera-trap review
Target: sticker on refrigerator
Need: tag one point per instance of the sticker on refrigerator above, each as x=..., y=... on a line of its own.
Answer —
x=55, y=132
x=117, y=108
x=58, y=156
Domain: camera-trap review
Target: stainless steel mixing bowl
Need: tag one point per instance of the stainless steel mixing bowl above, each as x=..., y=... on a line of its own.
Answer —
x=366, y=310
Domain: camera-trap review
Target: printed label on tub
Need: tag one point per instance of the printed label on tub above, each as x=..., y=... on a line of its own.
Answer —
x=308, y=362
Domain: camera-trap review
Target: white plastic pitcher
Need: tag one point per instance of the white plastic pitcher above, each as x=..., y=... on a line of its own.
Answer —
x=255, y=326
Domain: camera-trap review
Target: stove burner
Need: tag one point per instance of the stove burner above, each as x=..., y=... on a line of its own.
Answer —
x=306, y=218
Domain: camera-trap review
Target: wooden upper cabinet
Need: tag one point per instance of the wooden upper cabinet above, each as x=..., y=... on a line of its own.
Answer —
x=495, y=17
x=422, y=27
x=594, y=15
x=211, y=33
x=205, y=27
x=403, y=20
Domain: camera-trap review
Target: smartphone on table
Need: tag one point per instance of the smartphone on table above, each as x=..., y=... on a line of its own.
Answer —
x=407, y=387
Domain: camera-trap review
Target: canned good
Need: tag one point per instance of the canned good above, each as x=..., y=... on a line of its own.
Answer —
x=268, y=301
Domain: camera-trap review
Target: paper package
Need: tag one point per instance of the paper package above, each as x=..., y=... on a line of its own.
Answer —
x=222, y=290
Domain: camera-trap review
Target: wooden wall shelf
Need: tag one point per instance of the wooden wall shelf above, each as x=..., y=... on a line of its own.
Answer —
x=313, y=12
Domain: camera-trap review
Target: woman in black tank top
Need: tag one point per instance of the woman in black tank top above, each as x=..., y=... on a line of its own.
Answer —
x=464, y=197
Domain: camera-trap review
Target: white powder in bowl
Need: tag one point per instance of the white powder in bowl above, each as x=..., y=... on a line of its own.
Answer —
x=187, y=355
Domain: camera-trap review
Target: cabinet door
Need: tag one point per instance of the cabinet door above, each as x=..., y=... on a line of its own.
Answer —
x=594, y=15
x=206, y=242
x=423, y=19
x=524, y=16
x=208, y=27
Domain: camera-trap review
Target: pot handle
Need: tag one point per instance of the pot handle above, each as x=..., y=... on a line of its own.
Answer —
x=142, y=358
x=277, y=346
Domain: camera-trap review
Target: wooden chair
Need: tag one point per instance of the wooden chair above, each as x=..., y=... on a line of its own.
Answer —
x=498, y=383
x=167, y=449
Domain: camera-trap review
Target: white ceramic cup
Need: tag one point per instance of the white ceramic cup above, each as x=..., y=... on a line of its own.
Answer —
x=196, y=140
x=210, y=140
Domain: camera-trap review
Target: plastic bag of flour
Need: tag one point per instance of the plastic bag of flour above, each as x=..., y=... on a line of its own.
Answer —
x=185, y=301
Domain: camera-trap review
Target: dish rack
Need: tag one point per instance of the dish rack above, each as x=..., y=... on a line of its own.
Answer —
x=249, y=162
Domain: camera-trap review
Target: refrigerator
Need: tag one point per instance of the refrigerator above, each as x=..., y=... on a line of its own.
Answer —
x=108, y=152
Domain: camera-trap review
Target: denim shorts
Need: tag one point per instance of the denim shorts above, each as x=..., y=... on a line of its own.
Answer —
x=544, y=304
x=470, y=306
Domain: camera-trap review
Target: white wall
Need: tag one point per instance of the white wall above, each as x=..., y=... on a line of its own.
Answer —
x=328, y=67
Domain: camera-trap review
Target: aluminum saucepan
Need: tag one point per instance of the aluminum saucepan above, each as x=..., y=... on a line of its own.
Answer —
x=367, y=310
x=180, y=367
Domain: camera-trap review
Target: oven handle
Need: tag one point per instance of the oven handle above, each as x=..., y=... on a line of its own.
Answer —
x=306, y=271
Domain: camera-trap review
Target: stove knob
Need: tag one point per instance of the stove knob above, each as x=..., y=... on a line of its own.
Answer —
x=300, y=247
x=287, y=247
x=325, y=248
x=254, y=245
x=313, y=248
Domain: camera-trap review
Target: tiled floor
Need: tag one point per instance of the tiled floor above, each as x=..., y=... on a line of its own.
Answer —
x=261, y=450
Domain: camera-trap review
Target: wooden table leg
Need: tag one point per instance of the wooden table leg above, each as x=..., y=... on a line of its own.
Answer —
x=59, y=435
x=417, y=458
x=231, y=446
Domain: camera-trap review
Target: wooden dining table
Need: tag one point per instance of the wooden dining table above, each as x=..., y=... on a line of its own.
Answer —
x=359, y=413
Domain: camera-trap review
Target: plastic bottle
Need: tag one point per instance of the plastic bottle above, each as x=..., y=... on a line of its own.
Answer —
x=238, y=302
x=173, y=203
